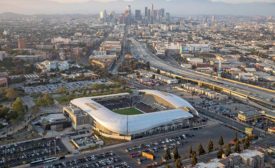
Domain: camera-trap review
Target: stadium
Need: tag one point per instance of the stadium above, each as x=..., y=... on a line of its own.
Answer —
x=128, y=116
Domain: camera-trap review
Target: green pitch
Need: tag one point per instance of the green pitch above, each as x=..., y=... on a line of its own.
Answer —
x=128, y=111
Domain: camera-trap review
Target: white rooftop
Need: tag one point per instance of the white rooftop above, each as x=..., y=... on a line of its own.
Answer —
x=136, y=123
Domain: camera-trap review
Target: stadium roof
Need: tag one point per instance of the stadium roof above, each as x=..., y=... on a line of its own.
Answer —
x=174, y=100
x=136, y=123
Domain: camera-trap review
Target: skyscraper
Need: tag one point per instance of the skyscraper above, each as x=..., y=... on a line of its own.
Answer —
x=146, y=13
x=138, y=15
x=152, y=14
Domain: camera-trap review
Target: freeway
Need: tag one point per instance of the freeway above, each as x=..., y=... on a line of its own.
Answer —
x=143, y=53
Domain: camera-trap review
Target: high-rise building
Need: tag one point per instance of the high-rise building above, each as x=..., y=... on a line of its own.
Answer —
x=167, y=16
x=101, y=15
x=128, y=15
x=152, y=14
x=138, y=15
x=146, y=13
x=21, y=43
x=162, y=13
x=129, y=10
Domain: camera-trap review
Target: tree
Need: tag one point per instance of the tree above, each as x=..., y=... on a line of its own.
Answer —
x=201, y=151
x=228, y=150
x=45, y=100
x=237, y=147
x=17, y=105
x=178, y=163
x=62, y=90
x=167, y=155
x=138, y=74
x=48, y=99
x=190, y=152
x=221, y=142
x=4, y=111
x=176, y=153
x=167, y=166
x=194, y=159
x=11, y=94
x=220, y=153
x=210, y=146
x=246, y=143
x=148, y=66
x=158, y=71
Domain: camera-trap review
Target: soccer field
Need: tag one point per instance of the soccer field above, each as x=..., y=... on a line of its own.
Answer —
x=128, y=111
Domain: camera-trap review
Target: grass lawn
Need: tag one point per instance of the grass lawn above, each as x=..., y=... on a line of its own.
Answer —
x=128, y=111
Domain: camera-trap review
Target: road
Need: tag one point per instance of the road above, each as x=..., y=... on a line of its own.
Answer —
x=118, y=62
x=230, y=122
x=142, y=52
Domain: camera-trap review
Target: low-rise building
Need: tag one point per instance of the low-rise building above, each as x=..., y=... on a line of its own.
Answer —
x=102, y=59
x=3, y=55
x=3, y=82
x=246, y=159
x=86, y=142
x=159, y=77
x=30, y=58
x=111, y=47
x=47, y=66
x=79, y=118
x=55, y=122
x=195, y=60
x=248, y=76
x=247, y=116
x=196, y=48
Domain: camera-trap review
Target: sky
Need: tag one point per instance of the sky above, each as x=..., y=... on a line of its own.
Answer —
x=175, y=7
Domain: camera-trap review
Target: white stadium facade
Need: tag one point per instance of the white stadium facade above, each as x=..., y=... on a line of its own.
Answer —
x=159, y=111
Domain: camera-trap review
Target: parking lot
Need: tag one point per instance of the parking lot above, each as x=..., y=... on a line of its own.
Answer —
x=53, y=88
x=182, y=141
x=102, y=160
x=32, y=151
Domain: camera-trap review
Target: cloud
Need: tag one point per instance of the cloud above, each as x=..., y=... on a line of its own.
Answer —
x=244, y=1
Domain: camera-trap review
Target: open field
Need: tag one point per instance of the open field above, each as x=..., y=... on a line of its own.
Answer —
x=128, y=111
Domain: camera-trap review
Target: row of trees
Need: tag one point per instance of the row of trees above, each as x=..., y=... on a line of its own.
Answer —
x=176, y=156
x=210, y=147
x=236, y=147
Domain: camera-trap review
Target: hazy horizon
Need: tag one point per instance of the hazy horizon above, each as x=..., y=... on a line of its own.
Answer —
x=175, y=7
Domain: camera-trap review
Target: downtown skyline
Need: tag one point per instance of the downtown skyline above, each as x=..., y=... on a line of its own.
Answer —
x=176, y=7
